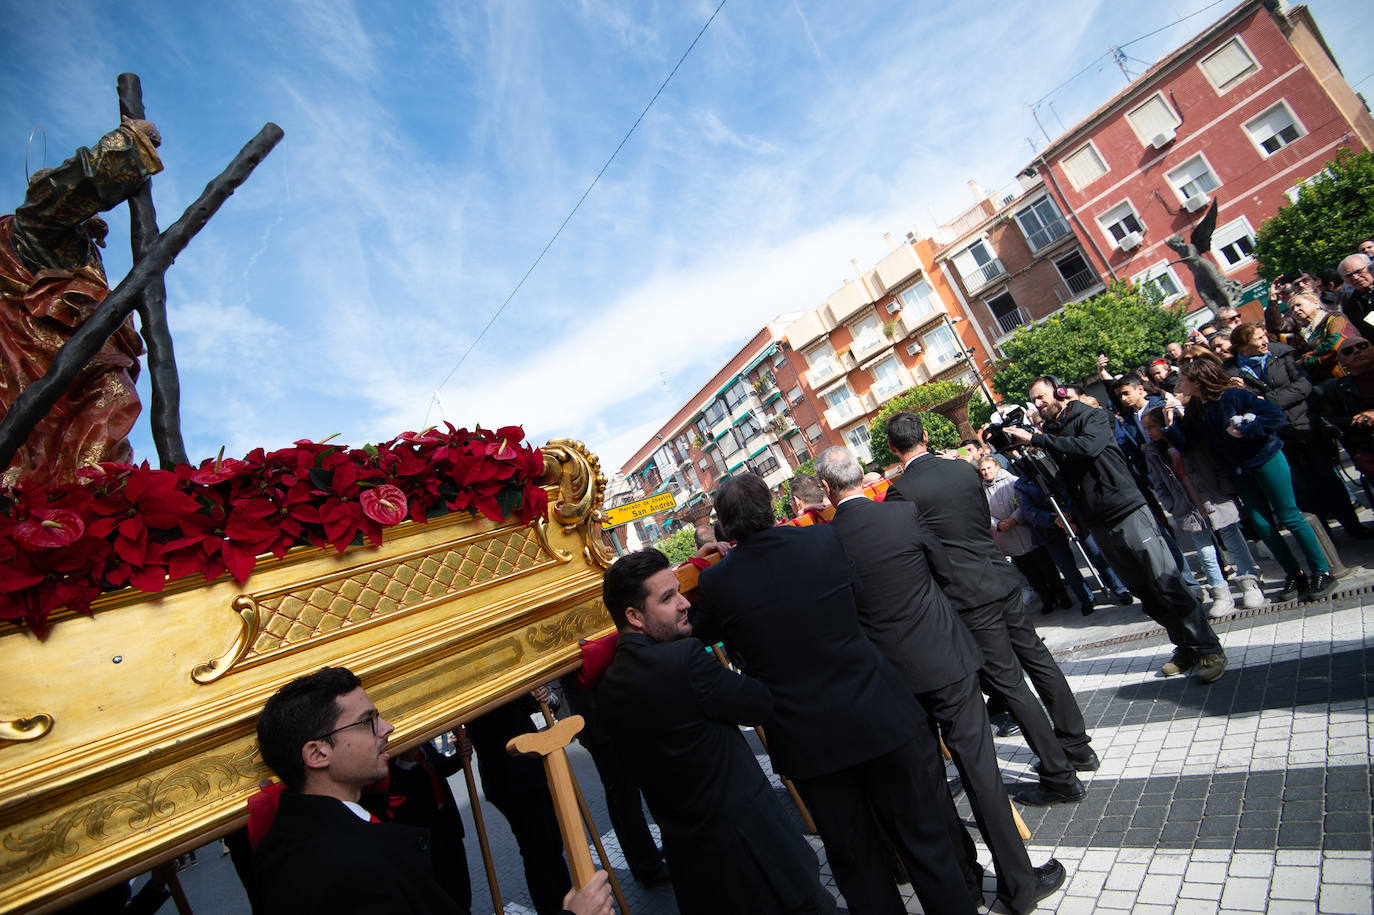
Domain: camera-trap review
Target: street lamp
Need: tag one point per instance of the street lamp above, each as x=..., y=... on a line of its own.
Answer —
x=950, y=321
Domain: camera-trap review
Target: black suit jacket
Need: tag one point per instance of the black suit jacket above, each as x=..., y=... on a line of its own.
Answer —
x=950, y=499
x=784, y=598
x=673, y=714
x=902, y=568
x=320, y=857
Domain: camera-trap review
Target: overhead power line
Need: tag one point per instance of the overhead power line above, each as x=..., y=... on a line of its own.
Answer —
x=576, y=206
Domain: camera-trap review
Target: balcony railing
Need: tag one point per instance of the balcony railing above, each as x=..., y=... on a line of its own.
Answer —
x=985, y=274
x=864, y=346
x=842, y=413
x=1047, y=234
x=1011, y=320
x=909, y=321
x=1081, y=281
x=820, y=374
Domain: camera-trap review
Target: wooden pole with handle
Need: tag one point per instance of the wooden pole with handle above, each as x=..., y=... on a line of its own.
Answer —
x=719, y=651
x=481, y=822
x=591, y=825
x=1021, y=829
x=549, y=746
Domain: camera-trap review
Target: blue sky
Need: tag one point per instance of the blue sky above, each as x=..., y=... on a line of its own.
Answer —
x=432, y=149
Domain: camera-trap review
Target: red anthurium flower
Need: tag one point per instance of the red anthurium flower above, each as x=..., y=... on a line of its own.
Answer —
x=50, y=527
x=211, y=472
x=385, y=504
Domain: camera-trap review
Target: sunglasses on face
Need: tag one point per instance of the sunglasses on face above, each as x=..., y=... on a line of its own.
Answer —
x=1354, y=348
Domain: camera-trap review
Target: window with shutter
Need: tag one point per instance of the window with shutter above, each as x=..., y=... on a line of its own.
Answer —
x=1192, y=178
x=1228, y=65
x=1152, y=118
x=1274, y=129
x=1084, y=166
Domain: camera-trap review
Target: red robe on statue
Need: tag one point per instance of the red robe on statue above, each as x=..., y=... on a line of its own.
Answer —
x=51, y=279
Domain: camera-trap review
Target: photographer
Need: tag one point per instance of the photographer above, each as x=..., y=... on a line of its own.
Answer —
x=1105, y=497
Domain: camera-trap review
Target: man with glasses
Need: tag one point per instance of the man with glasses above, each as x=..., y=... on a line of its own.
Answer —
x=1348, y=403
x=326, y=741
x=1356, y=298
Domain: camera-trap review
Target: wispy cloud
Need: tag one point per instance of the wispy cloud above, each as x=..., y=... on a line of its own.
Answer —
x=432, y=149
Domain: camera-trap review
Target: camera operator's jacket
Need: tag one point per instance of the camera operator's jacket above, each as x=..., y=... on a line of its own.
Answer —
x=1092, y=469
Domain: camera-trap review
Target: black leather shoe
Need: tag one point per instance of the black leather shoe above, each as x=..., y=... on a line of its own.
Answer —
x=1293, y=585
x=656, y=877
x=1358, y=531
x=1089, y=764
x=1048, y=878
x=1319, y=587
x=1125, y=599
x=1041, y=796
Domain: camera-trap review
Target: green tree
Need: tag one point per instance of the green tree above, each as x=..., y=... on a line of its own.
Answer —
x=782, y=503
x=1333, y=214
x=678, y=546
x=917, y=400
x=1125, y=321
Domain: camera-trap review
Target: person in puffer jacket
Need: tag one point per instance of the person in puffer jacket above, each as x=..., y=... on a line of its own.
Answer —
x=1200, y=500
x=1242, y=429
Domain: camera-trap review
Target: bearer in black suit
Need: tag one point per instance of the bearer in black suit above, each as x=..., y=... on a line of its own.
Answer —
x=904, y=612
x=674, y=713
x=324, y=852
x=844, y=727
x=986, y=592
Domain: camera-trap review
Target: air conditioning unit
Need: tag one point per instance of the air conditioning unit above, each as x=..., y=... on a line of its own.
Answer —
x=1195, y=203
x=1130, y=242
x=913, y=348
x=1162, y=140
x=893, y=307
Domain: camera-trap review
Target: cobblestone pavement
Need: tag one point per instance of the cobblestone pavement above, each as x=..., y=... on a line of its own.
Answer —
x=1249, y=795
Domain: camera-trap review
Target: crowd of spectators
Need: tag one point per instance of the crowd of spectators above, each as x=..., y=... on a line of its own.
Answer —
x=1231, y=435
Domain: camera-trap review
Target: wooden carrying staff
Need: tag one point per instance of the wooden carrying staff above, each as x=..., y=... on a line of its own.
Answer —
x=1015, y=814
x=549, y=746
x=481, y=822
x=587, y=820
x=719, y=651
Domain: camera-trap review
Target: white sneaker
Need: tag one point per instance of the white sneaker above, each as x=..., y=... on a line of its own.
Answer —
x=1251, y=595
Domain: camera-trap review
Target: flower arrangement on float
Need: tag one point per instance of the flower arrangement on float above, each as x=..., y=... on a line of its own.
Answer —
x=125, y=525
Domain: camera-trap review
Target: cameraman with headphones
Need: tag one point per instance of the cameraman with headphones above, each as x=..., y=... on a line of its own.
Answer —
x=1104, y=496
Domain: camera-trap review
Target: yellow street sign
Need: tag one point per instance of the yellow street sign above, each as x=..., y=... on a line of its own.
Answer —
x=626, y=513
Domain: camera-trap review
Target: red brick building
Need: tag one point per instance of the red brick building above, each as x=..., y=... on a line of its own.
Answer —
x=1244, y=113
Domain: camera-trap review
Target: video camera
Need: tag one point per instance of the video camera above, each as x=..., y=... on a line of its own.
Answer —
x=995, y=433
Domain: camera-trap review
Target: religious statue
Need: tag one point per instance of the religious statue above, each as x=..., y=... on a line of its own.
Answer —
x=1215, y=290
x=51, y=279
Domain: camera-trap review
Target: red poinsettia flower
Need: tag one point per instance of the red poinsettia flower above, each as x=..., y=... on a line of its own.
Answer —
x=214, y=471
x=385, y=504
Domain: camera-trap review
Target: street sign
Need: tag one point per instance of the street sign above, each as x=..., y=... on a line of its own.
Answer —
x=624, y=514
x=1258, y=291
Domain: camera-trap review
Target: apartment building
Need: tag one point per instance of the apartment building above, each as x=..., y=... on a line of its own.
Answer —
x=806, y=381
x=892, y=327
x=1014, y=261
x=1244, y=113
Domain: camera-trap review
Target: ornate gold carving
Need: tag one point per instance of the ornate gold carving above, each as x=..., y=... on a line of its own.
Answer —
x=273, y=622
x=146, y=801
x=567, y=628
x=541, y=528
x=581, y=489
x=23, y=729
x=247, y=609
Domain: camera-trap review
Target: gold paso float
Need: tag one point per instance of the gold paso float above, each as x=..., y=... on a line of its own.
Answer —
x=128, y=736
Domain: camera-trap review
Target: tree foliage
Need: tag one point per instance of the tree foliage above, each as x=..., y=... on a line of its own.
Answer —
x=1125, y=321
x=678, y=546
x=918, y=400
x=1332, y=215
